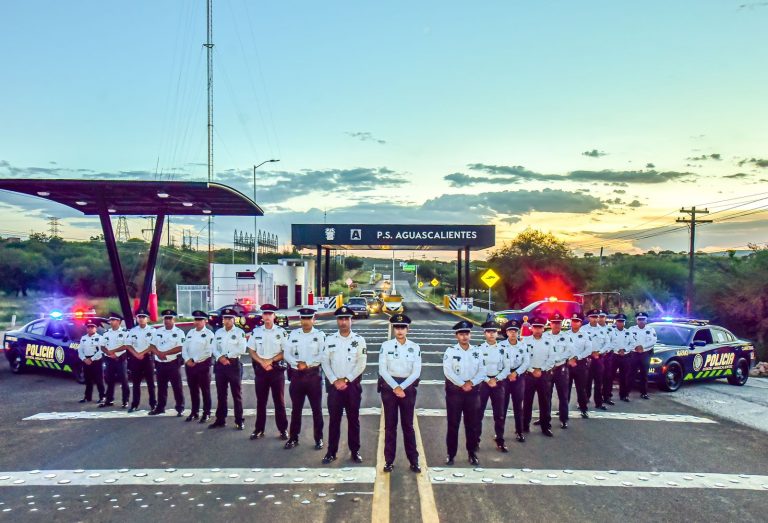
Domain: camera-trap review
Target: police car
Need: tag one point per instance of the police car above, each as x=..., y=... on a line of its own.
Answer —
x=50, y=343
x=693, y=350
x=246, y=319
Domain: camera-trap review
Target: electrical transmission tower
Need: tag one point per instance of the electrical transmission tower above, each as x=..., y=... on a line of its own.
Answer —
x=122, y=233
x=53, y=227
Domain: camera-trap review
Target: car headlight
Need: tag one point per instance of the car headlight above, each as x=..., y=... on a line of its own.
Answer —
x=655, y=361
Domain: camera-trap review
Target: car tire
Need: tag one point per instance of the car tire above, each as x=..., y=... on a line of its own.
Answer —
x=78, y=372
x=17, y=362
x=740, y=373
x=672, y=380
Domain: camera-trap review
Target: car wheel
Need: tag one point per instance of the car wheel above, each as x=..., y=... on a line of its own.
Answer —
x=673, y=378
x=17, y=363
x=78, y=372
x=740, y=373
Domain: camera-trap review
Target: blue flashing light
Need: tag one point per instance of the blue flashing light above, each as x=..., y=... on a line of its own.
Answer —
x=668, y=318
x=56, y=315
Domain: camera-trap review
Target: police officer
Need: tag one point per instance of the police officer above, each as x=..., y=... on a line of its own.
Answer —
x=579, y=374
x=140, y=360
x=166, y=346
x=493, y=386
x=538, y=379
x=610, y=361
x=302, y=354
x=564, y=360
x=399, y=371
x=518, y=360
x=114, y=341
x=599, y=345
x=90, y=354
x=464, y=371
x=229, y=346
x=266, y=346
x=622, y=341
x=196, y=353
x=645, y=339
x=343, y=361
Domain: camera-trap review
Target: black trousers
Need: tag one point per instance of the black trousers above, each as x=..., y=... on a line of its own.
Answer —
x=229, y=378
x=624, y=364
x=403, y=408
x=515, y=391
x=199, y=381
x=498, y=397
x=561, y=383
x=306, y=384
x=610, y=366
x=116, y=372
x=169, y=372
x=458, y=403
x=580, y=376
x=542, y=387
x=640, y=363
x=340, y=401
x=595, y=378
x=265, y=382
x=143, y=369
x=94, y=375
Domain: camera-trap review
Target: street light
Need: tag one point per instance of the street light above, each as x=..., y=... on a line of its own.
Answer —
x=255, y=229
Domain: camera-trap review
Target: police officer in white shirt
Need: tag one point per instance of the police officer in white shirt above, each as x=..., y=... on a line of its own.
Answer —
x=114, y=341
x=302, y=354
x=399, y=372
x=596, y=364
x=464, y=371
x=538, y=379
x=564, y=360
x=344, y=360
x=645, y=340
x=196, y=353
x=610, y=361
x=493, y=386
x=229, y=346
x=166, y=347
x=518, y=360
x=579, y=374
x=90, y=354
x=622, y=341
x=140, y=360
x=266, y=346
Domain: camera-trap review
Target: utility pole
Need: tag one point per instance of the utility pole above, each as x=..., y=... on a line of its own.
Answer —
x=692, y=221
x=209, y=52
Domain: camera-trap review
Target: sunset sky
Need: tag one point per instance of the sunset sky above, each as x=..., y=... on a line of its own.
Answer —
x=596, y=120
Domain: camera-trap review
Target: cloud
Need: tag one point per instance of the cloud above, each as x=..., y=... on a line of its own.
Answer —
x=736, y=176
x=516, y=203
x=516, y=171
x=703, y=157
x=365, y=136
x=634, y=203
x=594, y=153
x=759, y=162
x=650, y=166
x=644, y=177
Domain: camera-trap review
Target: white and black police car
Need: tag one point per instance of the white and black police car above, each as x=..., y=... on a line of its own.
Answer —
x=50, y=343
x=689, y=350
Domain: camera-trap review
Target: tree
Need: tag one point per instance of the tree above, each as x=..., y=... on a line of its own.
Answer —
x=353, y=262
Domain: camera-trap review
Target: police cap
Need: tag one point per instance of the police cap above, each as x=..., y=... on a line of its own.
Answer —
x=115, y=316
x=620, y=317
x=400, y=319
x=142, y=312
x=463, y=326
x=228, y=313
x=490, y=326
x=200, y=315
x=538, y=322
x=641, y=316
x=556, y=318
x=168, y=313
x=343, y=312
x=306, y=313
x=576, y=317
x=268, y=308
x=593, y=313
x=512, y=325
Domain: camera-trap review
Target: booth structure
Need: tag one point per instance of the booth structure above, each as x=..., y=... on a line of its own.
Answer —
x=459, y=238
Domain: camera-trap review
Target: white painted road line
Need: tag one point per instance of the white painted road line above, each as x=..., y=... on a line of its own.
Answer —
x=172, y=476
x=598, y=478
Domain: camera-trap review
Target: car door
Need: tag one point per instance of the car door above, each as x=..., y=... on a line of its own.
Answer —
x=34, y=337
x=704, y=352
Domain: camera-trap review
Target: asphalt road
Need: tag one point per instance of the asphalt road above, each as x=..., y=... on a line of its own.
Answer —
x=646, y=460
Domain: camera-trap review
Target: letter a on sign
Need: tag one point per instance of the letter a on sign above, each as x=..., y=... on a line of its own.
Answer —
x=355, y=234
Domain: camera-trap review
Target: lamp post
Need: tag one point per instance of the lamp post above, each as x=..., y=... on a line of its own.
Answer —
x=255, y=229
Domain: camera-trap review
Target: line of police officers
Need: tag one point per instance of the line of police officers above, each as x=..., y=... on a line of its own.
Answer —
x=512, y=370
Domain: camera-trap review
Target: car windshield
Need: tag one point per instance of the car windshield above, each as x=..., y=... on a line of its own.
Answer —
x=672, y=334
x=357, y=301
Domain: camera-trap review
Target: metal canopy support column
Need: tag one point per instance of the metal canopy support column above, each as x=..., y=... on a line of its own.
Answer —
x=117, y=268
x=466, y=272
x=318, y=272
x=154, y=250
x=327, y=272
x=458, y=275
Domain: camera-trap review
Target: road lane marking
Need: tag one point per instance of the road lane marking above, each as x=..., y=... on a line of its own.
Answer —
x=597, y=478
x=381, y=491
x=426, y=494
x=192, y=476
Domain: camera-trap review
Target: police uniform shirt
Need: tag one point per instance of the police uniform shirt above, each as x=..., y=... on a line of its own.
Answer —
x=494, y=361
x=229, y=343
x=114, y=339
x=344, y=357
x=398, y=360
x=461, y=366
x=542, y=352
x=562, y=348
x=517, y=356
x=304, y=346
x=598, y=336
x=608, y=332
x=140, y=338
x=645, y=337
x=267, y=343
x=581, y=342
x=90, y=347
x=198, y=345
x=622, y=340
x=168, y=339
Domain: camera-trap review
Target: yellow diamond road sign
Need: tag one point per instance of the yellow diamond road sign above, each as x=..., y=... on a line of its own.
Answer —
x=490, y=278
x=421, y=284
x=435, y=282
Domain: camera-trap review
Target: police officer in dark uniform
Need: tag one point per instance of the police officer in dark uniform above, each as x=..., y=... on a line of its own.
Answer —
x=166, y=347
x=645, y=340
x=538, y=379
x=596, y=365
x=518, y=361
x=399, y=371
x=115, y=340
x=196, y=353
x=230, y=345
x=582, y=350
x=302, y=354
x=463, y=369
x=610, y=361
x=493, y=386
x=90, y=355
x=564, y=361
x=140, y=360
x=622, y=341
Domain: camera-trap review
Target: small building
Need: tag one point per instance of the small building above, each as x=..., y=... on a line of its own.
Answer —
x=285, y=284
